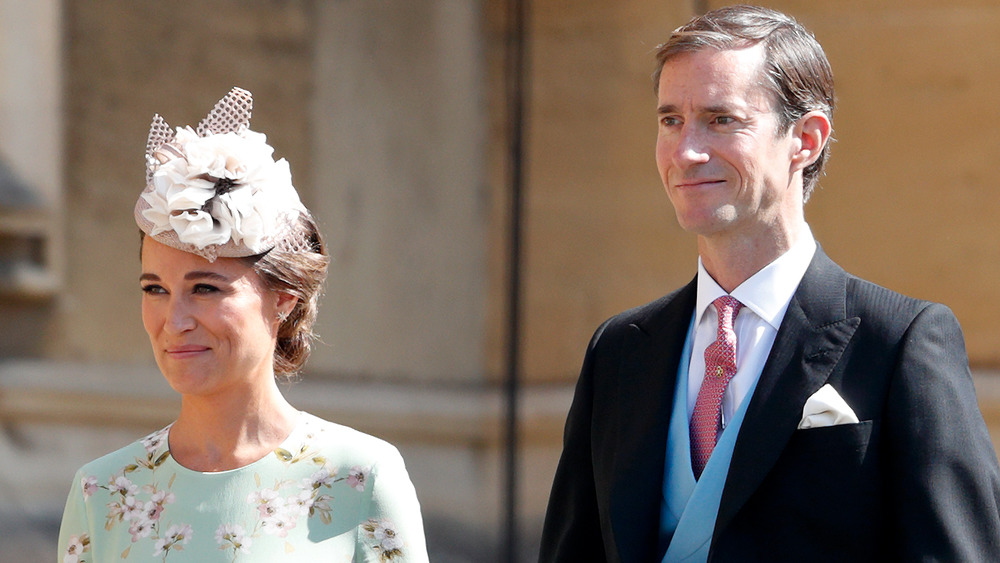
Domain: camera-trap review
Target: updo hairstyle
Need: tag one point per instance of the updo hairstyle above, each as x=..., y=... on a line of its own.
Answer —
x=301, y=274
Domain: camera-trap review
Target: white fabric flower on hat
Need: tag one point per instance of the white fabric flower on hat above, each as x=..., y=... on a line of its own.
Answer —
x=213, y=189
x=199, y=228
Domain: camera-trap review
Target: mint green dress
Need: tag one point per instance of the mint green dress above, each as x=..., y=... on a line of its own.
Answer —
x=328, y=493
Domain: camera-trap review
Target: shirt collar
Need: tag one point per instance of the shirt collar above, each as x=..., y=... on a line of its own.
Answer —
x=768, y=292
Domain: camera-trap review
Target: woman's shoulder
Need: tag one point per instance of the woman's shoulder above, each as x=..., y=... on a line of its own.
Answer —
x=342, y=443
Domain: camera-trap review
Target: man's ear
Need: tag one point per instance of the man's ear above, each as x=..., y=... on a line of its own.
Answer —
x=811, y=133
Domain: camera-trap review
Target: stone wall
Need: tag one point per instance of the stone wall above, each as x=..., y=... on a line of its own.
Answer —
x=399, y=117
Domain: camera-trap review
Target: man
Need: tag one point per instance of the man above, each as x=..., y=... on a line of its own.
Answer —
x=776, y=408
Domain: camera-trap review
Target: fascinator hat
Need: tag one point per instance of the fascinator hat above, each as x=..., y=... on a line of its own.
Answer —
x=216, y=190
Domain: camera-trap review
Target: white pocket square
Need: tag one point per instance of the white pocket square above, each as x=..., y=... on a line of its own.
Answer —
x=826, y=408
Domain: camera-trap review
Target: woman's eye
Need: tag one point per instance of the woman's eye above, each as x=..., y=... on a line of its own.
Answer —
x=205, y=288
x=153, y=289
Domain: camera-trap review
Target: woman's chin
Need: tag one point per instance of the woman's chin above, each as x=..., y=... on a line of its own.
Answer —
x=189, y=383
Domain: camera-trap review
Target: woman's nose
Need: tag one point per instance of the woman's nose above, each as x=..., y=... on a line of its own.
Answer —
x=179, y=316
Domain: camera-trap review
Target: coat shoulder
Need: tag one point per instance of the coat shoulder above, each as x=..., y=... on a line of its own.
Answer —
x=651, y=316
x=874, y=302
x=893, y=318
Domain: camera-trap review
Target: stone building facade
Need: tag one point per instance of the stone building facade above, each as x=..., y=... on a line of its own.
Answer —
x=392, y=115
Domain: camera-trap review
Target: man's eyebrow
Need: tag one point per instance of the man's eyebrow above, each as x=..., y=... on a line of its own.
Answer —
x=671, y=108
x=718, y=109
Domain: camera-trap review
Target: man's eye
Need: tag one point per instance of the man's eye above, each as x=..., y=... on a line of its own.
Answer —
x=669, y=121
x=725, y=120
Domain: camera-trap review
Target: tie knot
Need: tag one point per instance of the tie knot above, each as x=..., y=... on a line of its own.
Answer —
x=728, y=307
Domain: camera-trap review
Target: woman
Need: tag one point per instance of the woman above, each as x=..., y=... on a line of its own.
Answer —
x=232, y=266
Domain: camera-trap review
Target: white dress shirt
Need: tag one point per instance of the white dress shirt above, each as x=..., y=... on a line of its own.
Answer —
x=765, y=297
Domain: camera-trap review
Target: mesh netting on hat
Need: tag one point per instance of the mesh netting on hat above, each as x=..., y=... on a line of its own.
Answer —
x=230, y=114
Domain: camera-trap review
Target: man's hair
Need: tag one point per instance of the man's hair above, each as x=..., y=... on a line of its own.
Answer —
x=795, y=70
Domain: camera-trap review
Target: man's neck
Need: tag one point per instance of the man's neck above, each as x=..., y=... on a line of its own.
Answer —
x=732, y=261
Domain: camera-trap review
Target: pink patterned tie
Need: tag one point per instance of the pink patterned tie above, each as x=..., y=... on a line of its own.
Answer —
x=720, y=367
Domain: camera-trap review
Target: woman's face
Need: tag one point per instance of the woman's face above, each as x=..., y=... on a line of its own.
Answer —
x=212, y=325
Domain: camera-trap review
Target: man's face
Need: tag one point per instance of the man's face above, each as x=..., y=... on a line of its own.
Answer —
x=726, y=169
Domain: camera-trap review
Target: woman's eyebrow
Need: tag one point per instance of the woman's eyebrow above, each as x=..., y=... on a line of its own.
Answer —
x=199, y=275
x=190, y=276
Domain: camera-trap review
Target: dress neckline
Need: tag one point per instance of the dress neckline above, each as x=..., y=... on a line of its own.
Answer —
x=288, y=444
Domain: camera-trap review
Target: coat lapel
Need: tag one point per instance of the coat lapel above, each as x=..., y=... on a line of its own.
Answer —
x=810, y=341
x=645, y=386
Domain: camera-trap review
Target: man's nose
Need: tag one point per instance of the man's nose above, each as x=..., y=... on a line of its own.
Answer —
x=691, y=147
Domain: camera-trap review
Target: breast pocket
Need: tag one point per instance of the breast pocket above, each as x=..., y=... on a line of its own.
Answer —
x=823, y=480
x=834, y=467
x=841, y=443
x=823, y=493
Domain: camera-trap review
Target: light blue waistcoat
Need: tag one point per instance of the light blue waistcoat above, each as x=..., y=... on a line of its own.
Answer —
x=689, y=508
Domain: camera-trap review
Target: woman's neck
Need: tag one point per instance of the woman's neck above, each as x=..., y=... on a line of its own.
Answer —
x=231, y=429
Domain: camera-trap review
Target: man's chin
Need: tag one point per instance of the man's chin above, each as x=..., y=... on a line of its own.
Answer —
x=706, y=224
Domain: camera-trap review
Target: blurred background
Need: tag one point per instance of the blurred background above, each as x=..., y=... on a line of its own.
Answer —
x=398, y=121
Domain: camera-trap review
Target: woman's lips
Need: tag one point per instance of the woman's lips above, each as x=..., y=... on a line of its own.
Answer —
x=186, y=351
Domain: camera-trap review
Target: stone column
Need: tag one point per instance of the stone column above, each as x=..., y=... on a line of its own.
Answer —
x=400, y=189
